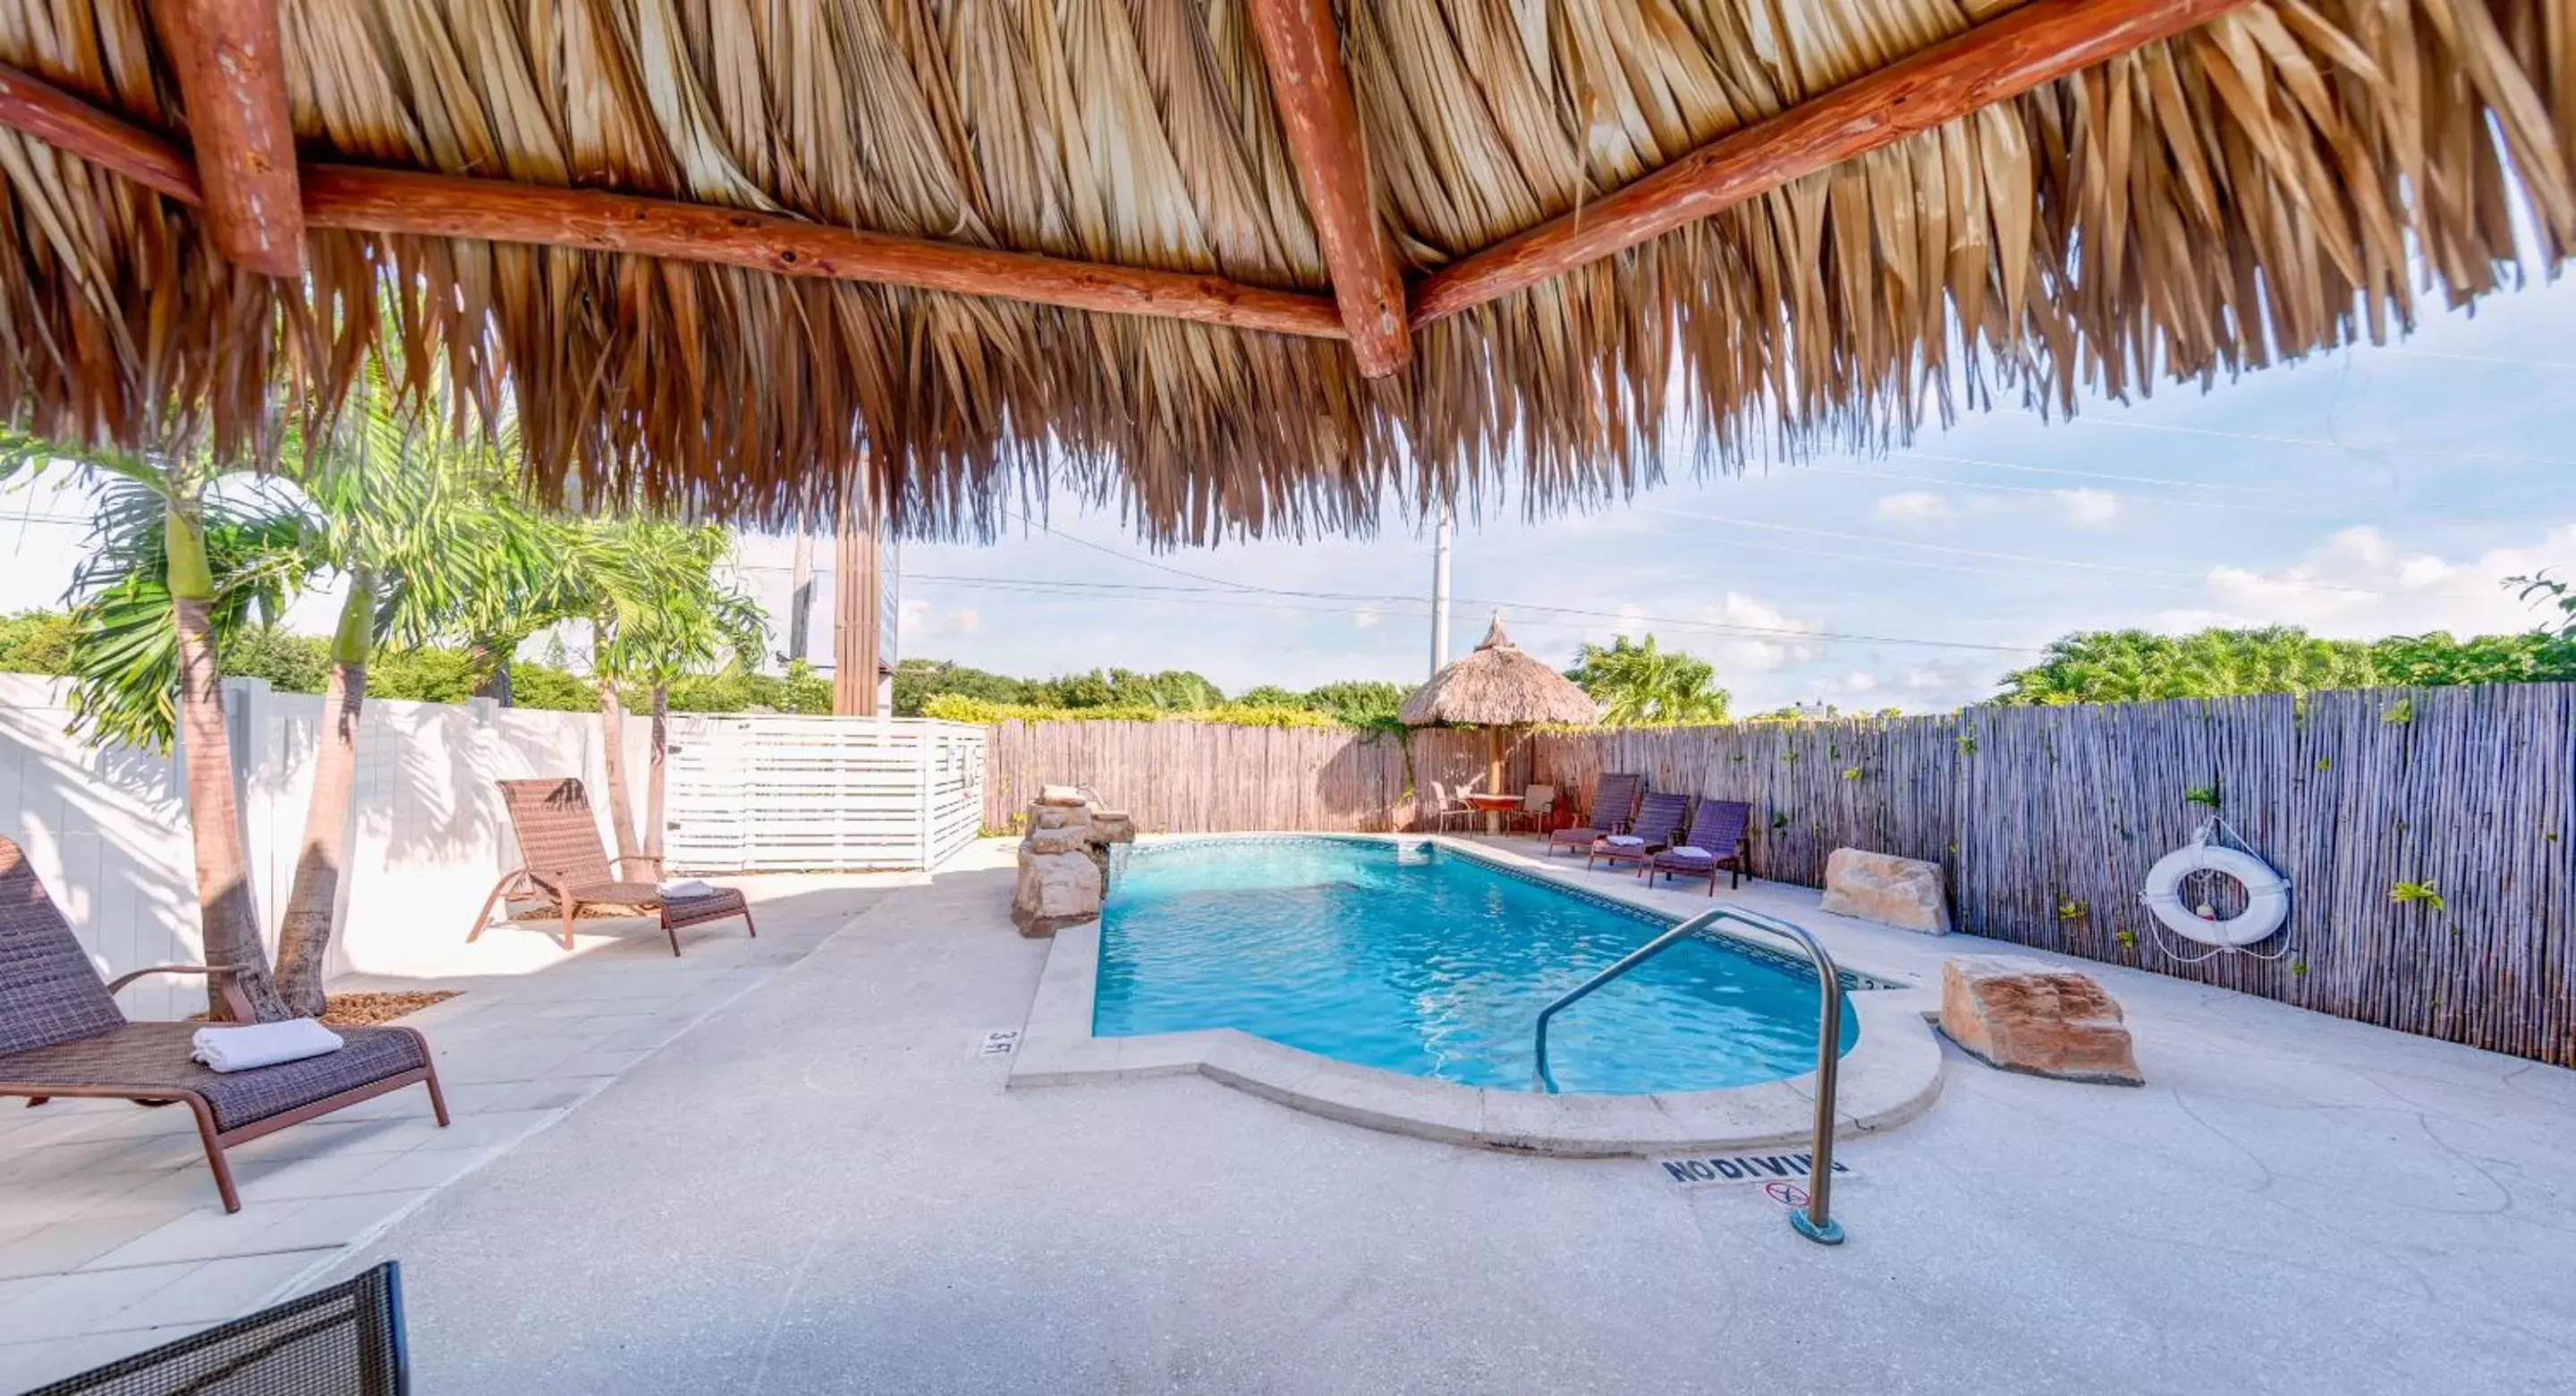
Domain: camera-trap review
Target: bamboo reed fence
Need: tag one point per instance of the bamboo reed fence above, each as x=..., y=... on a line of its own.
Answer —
x=2045, y=821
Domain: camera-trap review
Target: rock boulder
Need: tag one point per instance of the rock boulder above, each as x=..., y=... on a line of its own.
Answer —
x=2028, y=1015
x=1056, y=890
x=1882, y=887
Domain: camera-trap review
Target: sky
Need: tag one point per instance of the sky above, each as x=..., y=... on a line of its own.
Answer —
x=2363, y=493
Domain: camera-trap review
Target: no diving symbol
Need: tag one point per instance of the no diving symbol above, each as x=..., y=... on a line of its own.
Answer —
x=1786, y=1194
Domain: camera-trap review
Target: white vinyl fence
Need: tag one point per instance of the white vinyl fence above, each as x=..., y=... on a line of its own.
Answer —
x=107, y=829
x=772, y=793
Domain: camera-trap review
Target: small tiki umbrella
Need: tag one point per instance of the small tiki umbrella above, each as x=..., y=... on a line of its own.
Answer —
x=1496, y=687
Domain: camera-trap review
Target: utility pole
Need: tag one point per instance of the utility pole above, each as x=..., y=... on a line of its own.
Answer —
x=800, y=595
x=1440, y=596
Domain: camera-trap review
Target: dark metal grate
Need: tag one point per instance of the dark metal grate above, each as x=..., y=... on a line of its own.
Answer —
x=343, y=1341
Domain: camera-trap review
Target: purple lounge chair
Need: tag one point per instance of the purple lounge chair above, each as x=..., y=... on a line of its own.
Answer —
x=1658, y=823
x=1716, y=840
x=1614, y=801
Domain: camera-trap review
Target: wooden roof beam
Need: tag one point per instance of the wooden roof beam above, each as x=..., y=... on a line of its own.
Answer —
x=1312, y=92
x=436, y=205
x=231, y=67
x=1994, y=62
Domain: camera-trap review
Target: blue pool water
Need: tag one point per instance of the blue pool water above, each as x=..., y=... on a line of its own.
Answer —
x=1417, y=960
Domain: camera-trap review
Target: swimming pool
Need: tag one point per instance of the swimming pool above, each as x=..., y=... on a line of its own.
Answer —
x=1414, y=958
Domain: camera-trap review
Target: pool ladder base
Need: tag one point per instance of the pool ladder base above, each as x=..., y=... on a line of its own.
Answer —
x=1815, y=1220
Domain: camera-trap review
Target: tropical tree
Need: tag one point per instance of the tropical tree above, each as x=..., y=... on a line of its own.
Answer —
x=422, y=521
x=2130, y=666
x=659, y=612
x=1638, y=684
x=146, y=630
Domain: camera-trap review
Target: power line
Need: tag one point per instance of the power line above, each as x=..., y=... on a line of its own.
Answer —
x=2474, y=358
x=2323, y=443
x=1194, y=596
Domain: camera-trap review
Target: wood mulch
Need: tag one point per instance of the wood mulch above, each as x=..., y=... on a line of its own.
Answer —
x=367, y=1010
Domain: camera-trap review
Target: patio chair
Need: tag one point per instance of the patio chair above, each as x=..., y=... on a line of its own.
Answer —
x=562, y=860
x=1614, y=802
x=61, y=1034
x=1538, y=805
x=344, y=1340
x=1658, y=823
x=1716, y=840
x=1446, y=806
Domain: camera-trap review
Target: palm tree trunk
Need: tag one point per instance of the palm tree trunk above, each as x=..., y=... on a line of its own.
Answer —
x=228, y=929
x=654, y=778
x=304, y=934
x=621, y=811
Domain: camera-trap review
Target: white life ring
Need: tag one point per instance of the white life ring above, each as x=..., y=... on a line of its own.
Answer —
x=2267, y=895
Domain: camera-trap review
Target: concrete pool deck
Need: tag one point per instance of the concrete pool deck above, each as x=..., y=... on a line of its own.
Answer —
x=1891, y=1074
x=112, y=1238
x=825, y=1188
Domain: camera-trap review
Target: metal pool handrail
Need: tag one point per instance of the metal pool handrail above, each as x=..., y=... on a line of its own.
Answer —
x=1815, y=1222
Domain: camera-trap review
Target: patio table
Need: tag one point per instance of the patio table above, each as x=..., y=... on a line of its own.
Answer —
x=1494, y=807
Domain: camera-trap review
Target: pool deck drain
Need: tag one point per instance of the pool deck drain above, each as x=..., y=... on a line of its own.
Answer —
x=1888, y=1077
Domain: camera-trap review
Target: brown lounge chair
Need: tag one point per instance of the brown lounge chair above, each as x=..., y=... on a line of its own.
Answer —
x=1659, y=821
x=1614, y=802
x=61, y=1034
x=1716, y=840
x=562, y=859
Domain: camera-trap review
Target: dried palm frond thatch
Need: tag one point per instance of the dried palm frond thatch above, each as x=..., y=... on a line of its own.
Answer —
x=1497, y=685
x=2288, y=178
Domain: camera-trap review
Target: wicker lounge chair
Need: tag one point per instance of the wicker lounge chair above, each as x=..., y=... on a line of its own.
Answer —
x=1614, y=801
x=61, y=1034
x=1716, y=840
x=346, y=1340
x=1658, y=823
x=563, y=861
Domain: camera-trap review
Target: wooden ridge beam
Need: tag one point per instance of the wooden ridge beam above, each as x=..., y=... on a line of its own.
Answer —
x=1994, y=62
x=1312, y=92
x=436, y=205
x=230, y=63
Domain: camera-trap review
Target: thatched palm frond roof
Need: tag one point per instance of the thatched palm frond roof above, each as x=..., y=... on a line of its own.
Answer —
x=1497, y=685
x=2286, y=178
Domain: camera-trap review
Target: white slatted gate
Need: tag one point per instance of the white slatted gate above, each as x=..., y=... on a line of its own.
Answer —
x=774, y=793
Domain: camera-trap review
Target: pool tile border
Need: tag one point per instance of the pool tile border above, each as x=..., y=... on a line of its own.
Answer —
x=1890, y=1075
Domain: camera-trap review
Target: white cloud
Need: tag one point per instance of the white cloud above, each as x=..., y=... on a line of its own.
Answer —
x=2360, y=585
x=1365, y=618
x=2089, y=508
x=1760, y=654
x=1911, y=507
x=912, y=620
x=919, y=620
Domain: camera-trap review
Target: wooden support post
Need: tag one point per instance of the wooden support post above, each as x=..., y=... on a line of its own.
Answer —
x=857, y=589
x=1994, y=62
x=230, y=62
x=1313, y=94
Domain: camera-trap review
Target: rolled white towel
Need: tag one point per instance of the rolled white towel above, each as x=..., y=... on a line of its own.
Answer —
x=1625, y=841
x=1688, y=853
x=688, y=887
x=262, y=1044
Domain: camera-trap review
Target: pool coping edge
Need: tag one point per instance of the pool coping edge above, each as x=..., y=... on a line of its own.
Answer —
x=1892, y=1074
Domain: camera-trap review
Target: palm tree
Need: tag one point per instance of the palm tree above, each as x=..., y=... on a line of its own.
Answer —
x=124, y=684
x=1640, y=684
x=423, y=522
x=660, y=611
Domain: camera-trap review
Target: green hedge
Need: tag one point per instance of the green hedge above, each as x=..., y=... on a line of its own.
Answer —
x=956, y=707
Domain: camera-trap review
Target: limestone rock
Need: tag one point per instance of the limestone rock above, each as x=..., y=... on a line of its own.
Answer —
x=1070, y=838
x=2028, y=1015
x=1045, y=816
x=1882, y=887
x=1112, y=826
x=1056, y=890
x=1062, y=795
